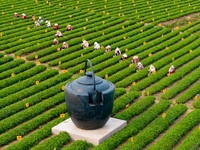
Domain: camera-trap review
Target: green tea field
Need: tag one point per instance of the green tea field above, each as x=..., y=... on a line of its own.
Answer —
x=162, y=111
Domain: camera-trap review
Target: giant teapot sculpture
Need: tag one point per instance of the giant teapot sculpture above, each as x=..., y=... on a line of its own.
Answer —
x=89, y=100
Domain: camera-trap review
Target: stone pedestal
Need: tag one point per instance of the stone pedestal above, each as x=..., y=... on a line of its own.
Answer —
x=96, y=136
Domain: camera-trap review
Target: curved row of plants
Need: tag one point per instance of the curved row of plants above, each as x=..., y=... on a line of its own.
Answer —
x=185, y=82
x=179, y=74
x=32, y=98
x=17, y=102
x=17, y=70
x=181, y=56
x=191, y=141
x=138, y=38
x=107, y=59
x=28, y=82
x=75, y=44
x=33, y=124
x=177, y=132
x=190, y=94
x=168, y=55
x=108, y=34
x=135, y=126
x=51, y=119
x=155, y=128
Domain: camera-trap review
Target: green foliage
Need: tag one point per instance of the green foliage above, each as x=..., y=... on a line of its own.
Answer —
x=12, y=64
x=78, y=145
x=177, y=132
x=74, y=44
x=21, y=76
x=6, y=59
x=134, y=127
x=141, y=21
x=35, y=94
x=196, y=103
x=136, y=108
x=189, y=94
x=185, y=82
x=167, y=62
x=154, y=129
x=17, y=70
x=28, y=82
x=121, y=102
x=191, y=25
x=179, y=74
x=32, y=124
x=1, y=55
x=191, y=141
x=143, y=53
x=74, y=57
x=54, y=142
x=30, y=112
x=119, y=92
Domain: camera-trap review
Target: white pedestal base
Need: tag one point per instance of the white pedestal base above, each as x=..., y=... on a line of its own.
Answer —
x=95, y=137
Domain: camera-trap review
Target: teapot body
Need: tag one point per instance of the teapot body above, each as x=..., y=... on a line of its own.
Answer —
x=89, y=100
x=84, y=111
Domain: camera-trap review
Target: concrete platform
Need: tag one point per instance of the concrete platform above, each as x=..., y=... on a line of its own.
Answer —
x=95, y=137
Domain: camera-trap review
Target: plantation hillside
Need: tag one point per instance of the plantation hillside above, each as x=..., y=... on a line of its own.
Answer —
x=162, y=111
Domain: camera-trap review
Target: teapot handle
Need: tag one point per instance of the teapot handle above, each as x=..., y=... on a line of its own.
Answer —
x=92, y=71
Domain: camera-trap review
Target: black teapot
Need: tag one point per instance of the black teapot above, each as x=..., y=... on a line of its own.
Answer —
x=89, y=100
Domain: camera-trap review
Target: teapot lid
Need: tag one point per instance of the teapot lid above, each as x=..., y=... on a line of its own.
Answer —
x=88, y=79
x=88, y=83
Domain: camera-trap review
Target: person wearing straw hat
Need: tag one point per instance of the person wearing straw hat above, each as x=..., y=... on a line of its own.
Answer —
x=23, y=16
x=37, y=24
x=65, y=45
x=56, y=26
x=16, y=15
x=40, y=20
x=33, y=18
x=152, y=69
x=135, y=60
x=85, y=44
x=48, y=24
x=117, y=51
x=171, y=70
x=96, y=46
x=139, y=66
x=69, y=27
x=58, y=33
x=124, y=57
x=108, y=49
x=55, y=42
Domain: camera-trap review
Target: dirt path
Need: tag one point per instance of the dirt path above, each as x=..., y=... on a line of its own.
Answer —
x=181, y=21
